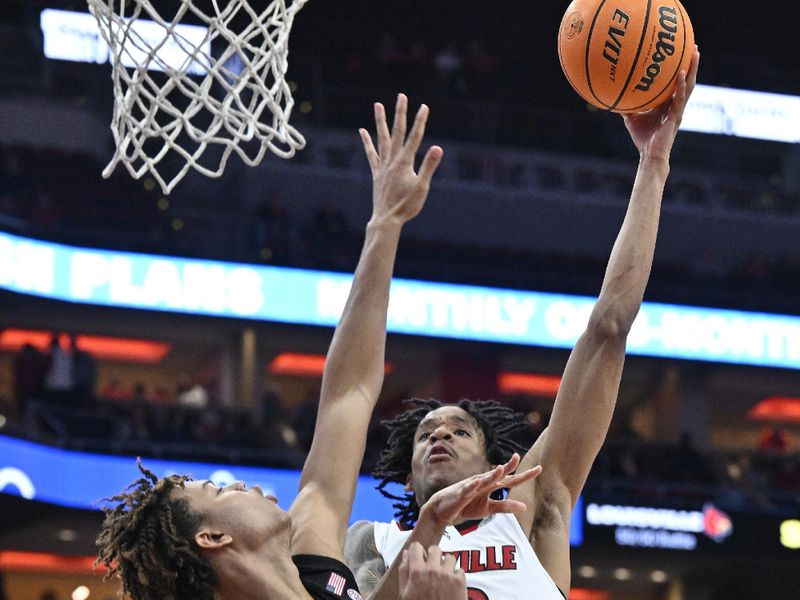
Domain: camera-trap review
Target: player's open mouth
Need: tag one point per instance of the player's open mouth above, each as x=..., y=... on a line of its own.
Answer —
x=439, y=454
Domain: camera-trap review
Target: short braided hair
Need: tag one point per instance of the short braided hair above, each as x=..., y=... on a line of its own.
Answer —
x=497, y=422
x=147, y=540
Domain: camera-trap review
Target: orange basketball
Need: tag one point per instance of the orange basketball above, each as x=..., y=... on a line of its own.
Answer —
x=625, y=55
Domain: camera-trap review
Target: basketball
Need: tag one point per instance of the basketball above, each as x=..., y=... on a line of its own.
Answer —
x=625, y=56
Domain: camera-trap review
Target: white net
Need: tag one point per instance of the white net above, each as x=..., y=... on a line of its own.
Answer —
x=181, y=90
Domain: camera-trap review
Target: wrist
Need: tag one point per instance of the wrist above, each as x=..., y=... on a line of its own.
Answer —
x=428, y=517
x=659, y=165
x=385, y=224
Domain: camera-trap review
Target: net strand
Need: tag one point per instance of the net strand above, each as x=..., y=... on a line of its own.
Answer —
x=249, y=103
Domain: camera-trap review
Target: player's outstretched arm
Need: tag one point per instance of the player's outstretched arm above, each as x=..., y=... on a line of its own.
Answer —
x=585, y=402
x=354, y=367
x=467, y=499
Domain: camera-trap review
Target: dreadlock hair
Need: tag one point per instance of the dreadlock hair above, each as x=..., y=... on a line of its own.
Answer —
x=147, y=540
x=496, y=422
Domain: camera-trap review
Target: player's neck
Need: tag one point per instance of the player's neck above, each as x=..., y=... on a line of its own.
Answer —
x=273, y=576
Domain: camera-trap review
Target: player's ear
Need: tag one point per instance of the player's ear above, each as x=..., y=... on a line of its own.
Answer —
x=409, y=487
x=210, y=539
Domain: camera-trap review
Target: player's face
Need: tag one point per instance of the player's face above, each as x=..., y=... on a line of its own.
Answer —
x=250, y=518
x=448, y=446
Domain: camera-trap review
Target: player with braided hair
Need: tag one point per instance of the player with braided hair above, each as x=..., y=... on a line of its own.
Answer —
x=146, y=541
x=432, y=446
x=496, y=423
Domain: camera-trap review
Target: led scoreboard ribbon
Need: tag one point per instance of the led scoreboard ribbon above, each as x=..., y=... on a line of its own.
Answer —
x=238, y=290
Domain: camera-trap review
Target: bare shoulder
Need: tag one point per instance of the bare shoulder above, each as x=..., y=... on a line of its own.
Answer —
x=359, y=545
x=362, y=556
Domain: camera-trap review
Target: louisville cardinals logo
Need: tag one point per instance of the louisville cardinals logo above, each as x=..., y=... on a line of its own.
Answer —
x=716, y=524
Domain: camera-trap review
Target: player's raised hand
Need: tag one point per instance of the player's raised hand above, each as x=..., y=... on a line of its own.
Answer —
x=653, y=132
x=399, y=192
x=471, y=498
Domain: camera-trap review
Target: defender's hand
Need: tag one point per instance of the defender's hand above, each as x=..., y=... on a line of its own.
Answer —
x=399, y=193
x=431, y=575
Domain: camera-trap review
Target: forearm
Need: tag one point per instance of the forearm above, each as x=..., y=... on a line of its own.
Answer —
x=585, y=402
x=632, y=256
x=428, y=532
x=355, y=359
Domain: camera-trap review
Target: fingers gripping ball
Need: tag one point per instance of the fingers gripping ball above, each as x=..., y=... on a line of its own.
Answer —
x=625, y=55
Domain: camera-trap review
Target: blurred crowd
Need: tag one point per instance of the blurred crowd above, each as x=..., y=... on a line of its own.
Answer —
x=761, y=479
x=120, y=213
x=61, y=404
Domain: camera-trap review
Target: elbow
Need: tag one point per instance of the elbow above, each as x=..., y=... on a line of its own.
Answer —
x=610, y=327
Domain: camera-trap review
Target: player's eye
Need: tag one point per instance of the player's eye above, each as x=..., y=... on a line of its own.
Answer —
x=424, y=436
x=462, y=432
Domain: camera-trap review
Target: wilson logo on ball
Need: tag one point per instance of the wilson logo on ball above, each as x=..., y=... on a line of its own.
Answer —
x=665, y=46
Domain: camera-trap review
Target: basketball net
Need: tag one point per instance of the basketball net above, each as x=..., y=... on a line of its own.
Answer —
x=171, y=95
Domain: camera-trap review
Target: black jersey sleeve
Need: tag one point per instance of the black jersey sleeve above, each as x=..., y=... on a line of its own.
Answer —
x=326, y=578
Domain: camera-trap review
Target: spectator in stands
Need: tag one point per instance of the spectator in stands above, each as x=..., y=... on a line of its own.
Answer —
x=84, y=373
x=135, y=428
x=193, y=395
x=177, y=428
x=773, y=440
x=29, y=370
x=749, y=484
x=59, y=379
x=686, y=463
x=162, y=395
x=114, y=389
x=139, y=394
x=206, y=429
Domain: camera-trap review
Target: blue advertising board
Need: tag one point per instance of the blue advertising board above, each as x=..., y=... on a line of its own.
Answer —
x=82, y=480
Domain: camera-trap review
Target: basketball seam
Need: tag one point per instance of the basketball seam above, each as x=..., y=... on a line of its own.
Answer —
x=677, y=68
x=586, y=54
x=635, y=58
